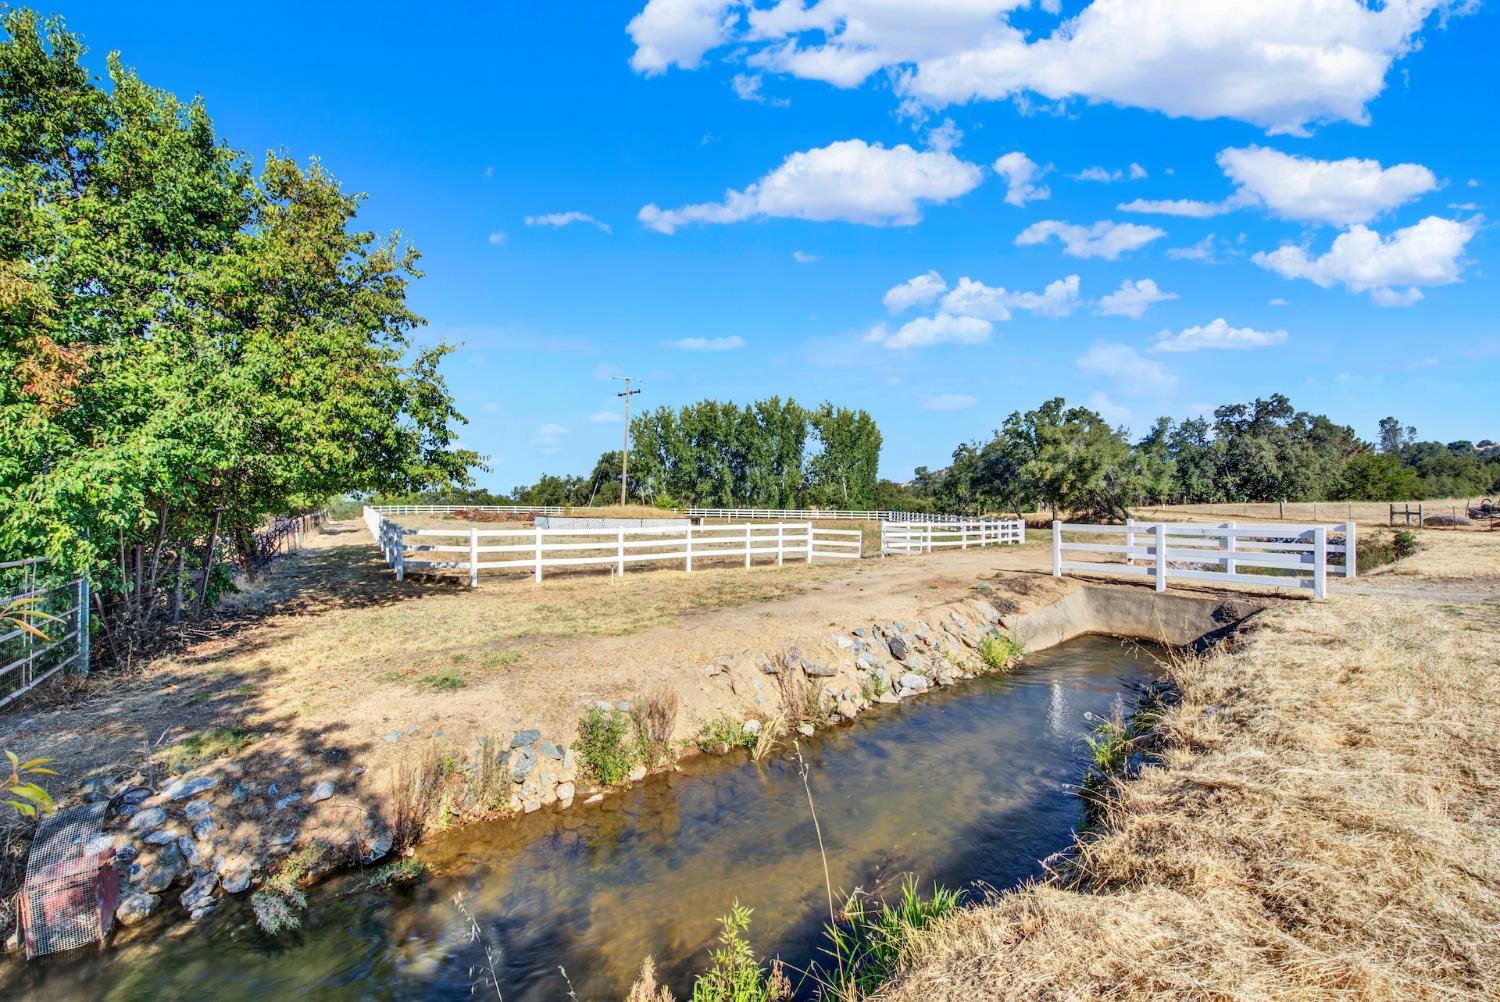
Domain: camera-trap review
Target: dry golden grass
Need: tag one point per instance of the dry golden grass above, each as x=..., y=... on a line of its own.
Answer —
x=1327, y=826
x=1451, y=555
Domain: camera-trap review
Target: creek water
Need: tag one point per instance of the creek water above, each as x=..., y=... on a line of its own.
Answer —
x=969, y=786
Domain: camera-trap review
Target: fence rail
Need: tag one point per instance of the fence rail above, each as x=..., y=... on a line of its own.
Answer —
x=1277, y=555
x=45, y=627
x=923, y=537
x=778, y=514
x=473, y=550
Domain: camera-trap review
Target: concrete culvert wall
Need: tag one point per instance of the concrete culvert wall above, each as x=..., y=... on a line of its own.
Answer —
x=1176, y=620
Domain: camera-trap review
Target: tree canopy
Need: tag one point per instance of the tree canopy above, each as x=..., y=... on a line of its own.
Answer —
x=186, y=340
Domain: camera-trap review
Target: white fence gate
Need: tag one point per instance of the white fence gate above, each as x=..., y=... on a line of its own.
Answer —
x=1276, y=556
x=924, y=537
x=57, y=615
x=473, y=550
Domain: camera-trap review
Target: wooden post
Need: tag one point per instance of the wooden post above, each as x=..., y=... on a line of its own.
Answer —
x=747, y=544
x=690, y=549
x=473, y=558
x=1230, y=566
x=1129, y=542
x=809, y=542
x=1320, y=562
x=1281, y=509
x=963, y=536
x=400, y=538
x=538, y=577
x=780, y=543
x=620, y=552
x=1056, y=548
x=1350, y=551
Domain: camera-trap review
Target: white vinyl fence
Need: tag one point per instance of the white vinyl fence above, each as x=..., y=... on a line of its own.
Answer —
x=1267, y=556
x=923, y=537
x=58, y=610
x=473, y=550
x=812, y=514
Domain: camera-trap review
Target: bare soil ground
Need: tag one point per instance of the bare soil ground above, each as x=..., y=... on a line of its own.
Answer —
x=1325, y=824
x=328, y=658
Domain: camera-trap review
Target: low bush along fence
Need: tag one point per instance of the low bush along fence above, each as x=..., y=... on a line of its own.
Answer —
x=925, y=537
x=473, y=550
x=1279, y=556
x=44, y=625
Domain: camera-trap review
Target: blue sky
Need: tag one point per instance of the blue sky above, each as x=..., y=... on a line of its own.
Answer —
x=760, y=178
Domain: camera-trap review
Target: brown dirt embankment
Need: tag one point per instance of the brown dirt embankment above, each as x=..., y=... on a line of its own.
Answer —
x=1325, y=825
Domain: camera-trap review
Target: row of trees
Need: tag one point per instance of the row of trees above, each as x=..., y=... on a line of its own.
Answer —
x=768, y=454
x=188, y=344
x=1070, y=458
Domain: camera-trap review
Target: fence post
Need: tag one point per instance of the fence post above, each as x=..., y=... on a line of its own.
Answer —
x=1023, y=532
x=538, y=577
x=1320, y=562
x=620, y=552
x=1056, y=548
x=809, y=542
x=929, y=537
x=780, y=543
x=400, y=538
x=473, y=558
x=882, y=540
x=963, y=537
x=83, y=625
x=1161, y=556
x=690, y=549
x=1230, y=565
x=1350, y=551
x=1129, y=542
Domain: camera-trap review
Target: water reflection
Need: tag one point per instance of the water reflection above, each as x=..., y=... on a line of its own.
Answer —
x=968, y=784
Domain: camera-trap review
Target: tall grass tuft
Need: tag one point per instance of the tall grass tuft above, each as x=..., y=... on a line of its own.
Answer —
x=873, y=940
x=416, y=790
x=655, y=716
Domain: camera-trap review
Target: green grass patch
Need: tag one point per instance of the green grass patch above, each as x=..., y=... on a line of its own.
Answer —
x=404, y=871
x=721, y=734
x=443, y=681
x=205, y=746
x=500, y=659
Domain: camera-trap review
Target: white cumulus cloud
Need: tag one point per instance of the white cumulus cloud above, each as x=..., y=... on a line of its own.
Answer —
x=802, y=257
x=561, y=219
x=923, y=332
x=1337, y=192
x=1106, y=176
x=1217, y=334
x=851, y=180
x=678, y=32
x=606, y=417
x=919, y=290
x=1132, y=299
x=1279, y=64
x=729, y=343
x=975, y=299
x=1426, y=254
x=1104, y=239
x=1021, y=175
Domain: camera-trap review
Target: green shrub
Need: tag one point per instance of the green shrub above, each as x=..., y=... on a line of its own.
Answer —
x=606, y=747
x=736, y=974
x=1405, y=543
x=443, y=681
x=719, y=735
x=872, y=941
x=999, y=651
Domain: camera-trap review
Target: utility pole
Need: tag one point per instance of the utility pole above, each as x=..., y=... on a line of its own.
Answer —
x=625, y=446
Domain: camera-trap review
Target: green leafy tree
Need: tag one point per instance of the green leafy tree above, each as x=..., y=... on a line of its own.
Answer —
x=189, y=345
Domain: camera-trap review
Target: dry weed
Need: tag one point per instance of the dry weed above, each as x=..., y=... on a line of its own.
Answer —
x=645, y=988
x=1327, y=827
x=655, y=717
